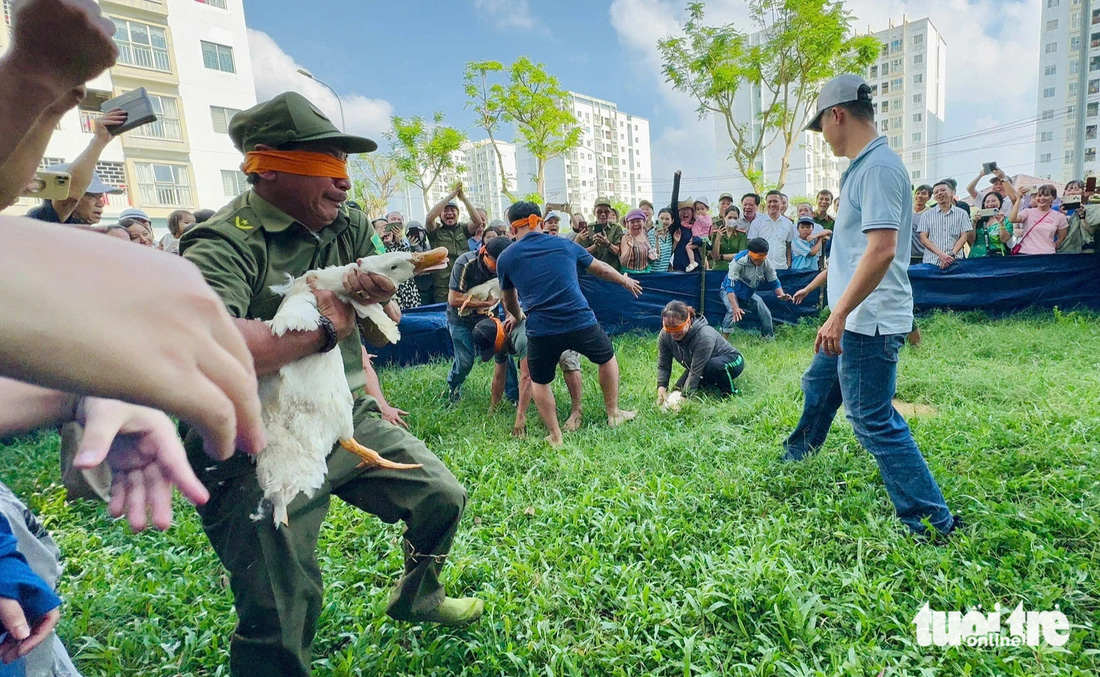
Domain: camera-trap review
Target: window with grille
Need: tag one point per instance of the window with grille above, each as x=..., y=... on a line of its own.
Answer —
x=221, y=117
x=167, y=125
x=7, y=14
x=218, y=57
x=220, y=4
x=142, y=45
x=163, y=184
x=233, y=182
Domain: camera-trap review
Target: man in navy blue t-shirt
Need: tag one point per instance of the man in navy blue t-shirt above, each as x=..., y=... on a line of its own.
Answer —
x=543, y=270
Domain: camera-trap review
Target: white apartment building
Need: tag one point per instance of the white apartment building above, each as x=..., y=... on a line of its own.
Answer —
x=192, y=57
x=909, y=88
x=1068, y=108
x=482, y=177
x=908, y=85
x=477, y=167
x=613, y=160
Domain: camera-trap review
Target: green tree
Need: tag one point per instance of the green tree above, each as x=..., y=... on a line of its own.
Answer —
x=801, y=45
x=422, y=150
x=529, y=98
x=375, y=179
x=486, y=99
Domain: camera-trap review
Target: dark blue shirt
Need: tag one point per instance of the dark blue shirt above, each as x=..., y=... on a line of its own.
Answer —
x=46, y=212
x=543, y=270
x=18, y=582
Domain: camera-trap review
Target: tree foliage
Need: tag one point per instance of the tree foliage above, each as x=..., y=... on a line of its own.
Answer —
x=525, y=95
x=375, y=179
x=423, y=151
x=485, y=98
x=796, y=46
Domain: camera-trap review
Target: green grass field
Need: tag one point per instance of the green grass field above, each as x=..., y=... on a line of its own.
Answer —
x=677, y=544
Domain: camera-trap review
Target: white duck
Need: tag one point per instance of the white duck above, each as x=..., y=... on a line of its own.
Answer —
x=307, y=404
x=489, y=290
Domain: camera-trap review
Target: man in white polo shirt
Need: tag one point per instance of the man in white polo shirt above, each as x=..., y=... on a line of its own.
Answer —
x=856, y=350
x=777, y=229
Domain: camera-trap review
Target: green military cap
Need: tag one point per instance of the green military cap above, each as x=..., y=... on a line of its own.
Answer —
x=725, y=196
x=602, y=202
x=290, y=118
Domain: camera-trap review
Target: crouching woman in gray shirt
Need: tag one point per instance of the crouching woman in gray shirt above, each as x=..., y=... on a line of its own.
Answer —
x=708, y=359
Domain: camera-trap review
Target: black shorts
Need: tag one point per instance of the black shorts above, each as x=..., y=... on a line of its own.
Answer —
x=543, y=352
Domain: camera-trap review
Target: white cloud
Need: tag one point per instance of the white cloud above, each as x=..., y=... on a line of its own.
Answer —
x=992, y=76
x=507, y=13
x=275, y=72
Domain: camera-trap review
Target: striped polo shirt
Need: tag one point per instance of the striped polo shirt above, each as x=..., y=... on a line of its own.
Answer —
x=944, y=229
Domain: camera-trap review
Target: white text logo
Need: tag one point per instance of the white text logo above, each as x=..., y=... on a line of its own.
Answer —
x=977, y=628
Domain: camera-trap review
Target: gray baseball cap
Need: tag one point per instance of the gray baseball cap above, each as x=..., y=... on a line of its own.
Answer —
x=841, y=89
x=96, y=186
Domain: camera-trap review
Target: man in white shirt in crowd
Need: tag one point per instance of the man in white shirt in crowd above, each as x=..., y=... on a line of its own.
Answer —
x=945, y=229
x=777, y=229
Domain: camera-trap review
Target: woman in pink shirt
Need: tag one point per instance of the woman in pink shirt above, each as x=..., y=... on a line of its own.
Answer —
x=1043, y=228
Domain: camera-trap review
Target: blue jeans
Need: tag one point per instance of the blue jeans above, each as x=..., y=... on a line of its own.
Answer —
x=864, y=379
x=753, y=307
x=462, y=337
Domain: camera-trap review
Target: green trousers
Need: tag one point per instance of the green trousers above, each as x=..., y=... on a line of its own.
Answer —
x=274, y=574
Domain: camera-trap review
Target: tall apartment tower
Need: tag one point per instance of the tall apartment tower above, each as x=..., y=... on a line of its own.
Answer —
x=909, y=88
x=908, y=84
x=483, y=180
x=192, y=57
x=1068, y=109
x=613, y=160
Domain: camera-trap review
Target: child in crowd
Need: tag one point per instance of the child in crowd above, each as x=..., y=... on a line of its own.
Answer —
x=750, y=272
x=700, y=233
x=805, y=249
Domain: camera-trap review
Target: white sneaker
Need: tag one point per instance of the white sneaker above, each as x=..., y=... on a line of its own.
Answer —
x=691, y=266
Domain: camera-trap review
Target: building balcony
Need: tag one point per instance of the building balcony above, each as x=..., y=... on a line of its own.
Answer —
x=143, y=7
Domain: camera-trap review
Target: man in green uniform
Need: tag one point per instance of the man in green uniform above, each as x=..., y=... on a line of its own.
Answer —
x=293, y=220
x=445, y=230
x=603, y=237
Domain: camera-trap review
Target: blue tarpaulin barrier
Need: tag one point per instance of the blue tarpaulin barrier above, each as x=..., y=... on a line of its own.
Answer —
x=996, y=285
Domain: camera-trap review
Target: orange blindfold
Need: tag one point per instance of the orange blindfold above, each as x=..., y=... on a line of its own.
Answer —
x=678, y=328
x=532, y=221
x=301, y=162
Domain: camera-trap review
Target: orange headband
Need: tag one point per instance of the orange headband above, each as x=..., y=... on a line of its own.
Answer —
x=680, y=327
x=534, y=221
x=301, y=162
x=758, y=256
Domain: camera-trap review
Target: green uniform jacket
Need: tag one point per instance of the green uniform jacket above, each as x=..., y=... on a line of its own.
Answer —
x=455, y=240
x=250, y=245
x=614, y=234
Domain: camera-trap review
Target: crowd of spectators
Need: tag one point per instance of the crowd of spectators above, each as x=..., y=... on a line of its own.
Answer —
x=545, y=322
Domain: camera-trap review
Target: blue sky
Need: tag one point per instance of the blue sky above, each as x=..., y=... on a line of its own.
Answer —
x=407, y=57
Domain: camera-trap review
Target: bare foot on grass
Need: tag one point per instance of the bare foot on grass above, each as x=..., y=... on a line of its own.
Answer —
x=573, y=423
x=556, y=444
x=622, y=417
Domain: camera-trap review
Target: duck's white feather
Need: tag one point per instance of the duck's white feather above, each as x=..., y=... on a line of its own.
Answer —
x=307, y=404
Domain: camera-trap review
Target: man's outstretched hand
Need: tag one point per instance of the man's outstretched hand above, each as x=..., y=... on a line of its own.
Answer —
x=145, y=456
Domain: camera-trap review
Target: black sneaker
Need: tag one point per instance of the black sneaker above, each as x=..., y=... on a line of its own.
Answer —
x=451, y=395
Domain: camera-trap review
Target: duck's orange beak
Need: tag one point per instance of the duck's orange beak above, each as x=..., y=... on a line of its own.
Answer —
x=436, y=259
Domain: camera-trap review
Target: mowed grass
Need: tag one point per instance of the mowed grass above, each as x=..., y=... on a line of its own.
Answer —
x=677, y=544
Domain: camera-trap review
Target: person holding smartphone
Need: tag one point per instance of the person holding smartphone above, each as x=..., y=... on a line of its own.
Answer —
x=992, y=231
